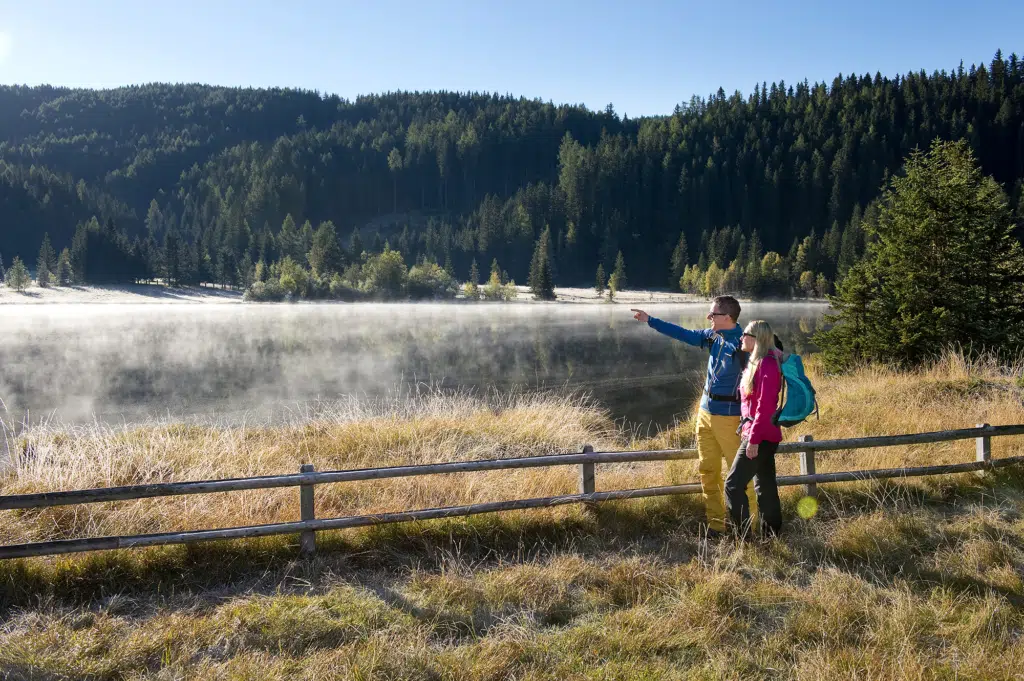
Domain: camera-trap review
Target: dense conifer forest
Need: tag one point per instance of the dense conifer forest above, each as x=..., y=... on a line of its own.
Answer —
x=767, y=192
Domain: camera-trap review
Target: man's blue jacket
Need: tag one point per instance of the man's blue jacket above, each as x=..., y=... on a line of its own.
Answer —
x=725, y=363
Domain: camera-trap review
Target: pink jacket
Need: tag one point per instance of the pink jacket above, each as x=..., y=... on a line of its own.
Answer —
x=759, y=407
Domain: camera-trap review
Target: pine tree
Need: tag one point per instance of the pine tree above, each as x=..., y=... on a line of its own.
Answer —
x=541, y=280
x=325, y=256
x=496, y=271
x=3, y=270
x=680, y=259
x=46, y=263
x=753, y=280
x=355, y=246
x=289, y=240
x=305, y=241
x=599, y=283
x=42, y=275
x=17, y=276
x=64, y=275
x=154, y=220
x=472, y=287
x=943, y=249
x=617, y=282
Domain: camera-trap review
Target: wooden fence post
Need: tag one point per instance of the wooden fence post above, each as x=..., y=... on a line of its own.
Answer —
x=807, y=466
x=983, y=448
x=587, y=485
x=307, y=540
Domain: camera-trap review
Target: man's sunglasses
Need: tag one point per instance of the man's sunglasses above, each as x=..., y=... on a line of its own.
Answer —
x=717, y=314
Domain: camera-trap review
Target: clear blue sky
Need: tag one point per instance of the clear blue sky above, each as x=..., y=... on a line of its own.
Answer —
x=644, y=57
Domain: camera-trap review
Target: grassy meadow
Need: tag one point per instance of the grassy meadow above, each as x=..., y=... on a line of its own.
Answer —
x=911, y=579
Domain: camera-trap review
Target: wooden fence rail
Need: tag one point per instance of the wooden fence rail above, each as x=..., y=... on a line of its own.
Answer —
x=308, y=478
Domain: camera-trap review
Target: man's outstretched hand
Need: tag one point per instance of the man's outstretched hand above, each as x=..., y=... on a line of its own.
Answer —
x=640, y=315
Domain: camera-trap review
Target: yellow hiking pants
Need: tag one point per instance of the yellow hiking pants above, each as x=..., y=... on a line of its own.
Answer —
x=717, y=444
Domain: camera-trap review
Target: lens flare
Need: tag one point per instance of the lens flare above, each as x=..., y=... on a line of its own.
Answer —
x=807, y=507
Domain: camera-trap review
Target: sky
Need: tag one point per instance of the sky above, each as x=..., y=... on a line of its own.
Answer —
x=642, y=57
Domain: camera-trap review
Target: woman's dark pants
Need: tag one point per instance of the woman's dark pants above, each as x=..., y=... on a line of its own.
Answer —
x=762, y=470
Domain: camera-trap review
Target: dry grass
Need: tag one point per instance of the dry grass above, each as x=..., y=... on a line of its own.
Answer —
x=910, y=580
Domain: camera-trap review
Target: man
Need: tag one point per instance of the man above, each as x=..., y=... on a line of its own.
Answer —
x=718, y=418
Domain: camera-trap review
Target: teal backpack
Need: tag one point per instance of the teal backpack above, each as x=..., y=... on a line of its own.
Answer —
x=798, y=401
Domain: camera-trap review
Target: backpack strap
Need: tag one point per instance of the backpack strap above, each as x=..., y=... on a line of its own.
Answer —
x=782, y=390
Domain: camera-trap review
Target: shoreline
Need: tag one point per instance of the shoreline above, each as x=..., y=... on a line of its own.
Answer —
x=159, y=294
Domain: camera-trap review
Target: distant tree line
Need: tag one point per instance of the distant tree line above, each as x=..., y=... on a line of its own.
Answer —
x=773, y=193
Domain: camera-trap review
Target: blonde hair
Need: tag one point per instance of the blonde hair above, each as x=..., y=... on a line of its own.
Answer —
x=764, y=343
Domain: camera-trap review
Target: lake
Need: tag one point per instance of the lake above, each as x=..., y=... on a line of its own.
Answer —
x=135, y=363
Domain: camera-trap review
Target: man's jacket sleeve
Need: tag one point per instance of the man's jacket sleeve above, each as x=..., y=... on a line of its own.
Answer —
x=695, y=338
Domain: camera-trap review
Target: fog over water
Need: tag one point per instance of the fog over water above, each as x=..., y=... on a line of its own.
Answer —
x=228, y=363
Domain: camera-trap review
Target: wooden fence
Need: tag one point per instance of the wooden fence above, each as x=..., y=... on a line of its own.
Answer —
x=307, y=479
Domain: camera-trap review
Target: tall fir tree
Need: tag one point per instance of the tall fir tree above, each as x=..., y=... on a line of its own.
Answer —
x=943, y=268
x=65, y=277
x=541, y=279
x=600, y=280
x=46, y=263
x=680, y=260
x=325, y=255
x=617, y=282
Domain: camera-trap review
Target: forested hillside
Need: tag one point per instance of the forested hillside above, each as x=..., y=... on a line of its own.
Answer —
x=195, y=183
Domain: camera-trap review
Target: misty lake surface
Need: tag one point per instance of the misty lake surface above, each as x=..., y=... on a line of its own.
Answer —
x=116, y=364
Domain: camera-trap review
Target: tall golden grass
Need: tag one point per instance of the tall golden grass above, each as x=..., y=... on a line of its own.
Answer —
x=954, y=392
x=893, y=580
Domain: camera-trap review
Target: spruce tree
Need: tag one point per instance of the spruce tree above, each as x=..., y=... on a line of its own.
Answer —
x=472, y=287
x=42, y=275
x=46, y=263
x=943, y=267
x=618, y=278
x=355, y=246
x=599, y=283
x=17, y=276
x=680, y=259
x=541, y=280
x=325, y=256
x=64, y=274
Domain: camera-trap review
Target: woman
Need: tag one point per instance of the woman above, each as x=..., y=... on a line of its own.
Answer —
x=759, y=435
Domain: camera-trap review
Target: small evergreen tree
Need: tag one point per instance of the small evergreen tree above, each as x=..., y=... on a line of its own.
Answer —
x=42, y=276
x=3, y=270
x=46, y=263
x=17, y=276
x=600, y=281
x=617, y=282
x=541, y=279
x=472, y=286
x=355, y=247
x=325, y=256
x=680, y=259
x=64, y=274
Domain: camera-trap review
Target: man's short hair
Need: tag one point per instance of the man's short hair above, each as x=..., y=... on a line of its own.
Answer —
x=729, y=306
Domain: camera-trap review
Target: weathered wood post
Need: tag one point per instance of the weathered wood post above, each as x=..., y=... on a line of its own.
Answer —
x=983, y=448
x=587, y=478
x=807, y=466
x=307, y=510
